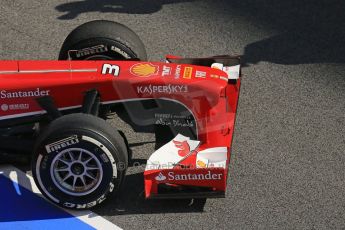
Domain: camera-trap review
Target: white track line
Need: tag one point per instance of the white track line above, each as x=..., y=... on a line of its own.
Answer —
x=14, y=178
x=28, y=182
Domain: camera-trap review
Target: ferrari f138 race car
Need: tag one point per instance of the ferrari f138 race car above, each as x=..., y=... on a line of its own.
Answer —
x=78, y=158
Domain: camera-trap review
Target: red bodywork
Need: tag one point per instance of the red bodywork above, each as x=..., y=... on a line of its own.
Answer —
x=204, y=91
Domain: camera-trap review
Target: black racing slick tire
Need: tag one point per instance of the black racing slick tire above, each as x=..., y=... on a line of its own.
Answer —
x=102, y=40
x=79, y=160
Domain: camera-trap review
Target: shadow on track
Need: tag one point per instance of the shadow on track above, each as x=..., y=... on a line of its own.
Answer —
x=131, y=201
x=74, y=9
x=308, y=31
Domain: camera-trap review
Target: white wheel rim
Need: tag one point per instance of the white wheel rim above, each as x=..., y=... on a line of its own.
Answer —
x=76, y=171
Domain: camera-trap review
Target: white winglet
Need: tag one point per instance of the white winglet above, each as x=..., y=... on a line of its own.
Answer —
x=233, y=72
x=171, y=153
x=212, y=157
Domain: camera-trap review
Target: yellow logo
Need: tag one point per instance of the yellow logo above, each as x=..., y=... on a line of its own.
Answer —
x=144, y=69
x=201, y=164
x=187, y=72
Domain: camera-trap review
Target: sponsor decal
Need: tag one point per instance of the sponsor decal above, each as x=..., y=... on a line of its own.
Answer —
x=177, y=72
x=201, y=164
x=111, y=69
x=217, y=66
x=166, y=70
x=6, y=107
x=174, y=120
x=169, y=89
x=189, y=176
x=200, y=74
x=62, y=144
x=172, y=176
x=164, y=115
x=88, y=205
x=187, y=74
x=174, y=123
x=214, y=76
x=117, y=50
x=223, y=78
x=91, y=51
x=22, y=94
x=160, y=177
x=184, y=148
x=144, y=69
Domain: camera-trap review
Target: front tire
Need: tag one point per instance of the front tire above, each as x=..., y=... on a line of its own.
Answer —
x=102, y=40
x=79, y=160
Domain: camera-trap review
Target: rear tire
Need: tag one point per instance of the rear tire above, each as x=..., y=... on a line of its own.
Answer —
x=102, y=40
x=79, y=160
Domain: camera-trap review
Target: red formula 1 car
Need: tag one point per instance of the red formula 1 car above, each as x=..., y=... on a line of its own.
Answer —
x=79, y=158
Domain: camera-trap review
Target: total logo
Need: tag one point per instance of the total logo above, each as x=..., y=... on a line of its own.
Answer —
x=188, y=176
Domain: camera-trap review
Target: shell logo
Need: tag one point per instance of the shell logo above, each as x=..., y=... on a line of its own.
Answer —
x=144, y=69
x=201, y=164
